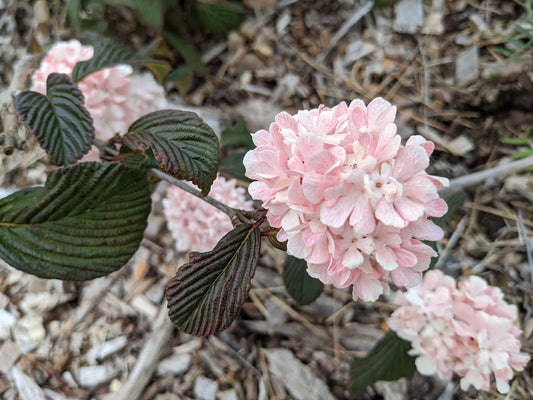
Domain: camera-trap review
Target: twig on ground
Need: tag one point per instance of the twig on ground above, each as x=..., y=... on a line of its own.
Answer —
x=343, y=30
x=527, y=242
x=149, y=356
x=454, y=239
x=475, y=178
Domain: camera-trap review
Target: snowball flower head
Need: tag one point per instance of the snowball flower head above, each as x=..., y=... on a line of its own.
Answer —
x=115, y=97
x=347, y=196
x=467, y=330
x=197, y=225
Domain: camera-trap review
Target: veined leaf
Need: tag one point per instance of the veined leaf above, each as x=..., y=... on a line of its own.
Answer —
x=207, y=292
x=387, y=361
x=183, y=144
x=86, y=222
x=108, y=53
x=219, y=18
x=62, y=125
x=302, y=287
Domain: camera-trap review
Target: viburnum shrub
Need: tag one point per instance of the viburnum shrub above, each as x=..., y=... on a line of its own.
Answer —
x=340, y=193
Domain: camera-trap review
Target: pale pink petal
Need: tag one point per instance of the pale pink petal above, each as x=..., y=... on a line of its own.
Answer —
x=409, y=209
x=362, y=216
x=380, y=112
x=386, y=213
x=409, y=161
x=336, y=214
x=426, y=365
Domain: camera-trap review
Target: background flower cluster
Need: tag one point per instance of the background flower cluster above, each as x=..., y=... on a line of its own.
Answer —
x=115, y=97
x=466, y=329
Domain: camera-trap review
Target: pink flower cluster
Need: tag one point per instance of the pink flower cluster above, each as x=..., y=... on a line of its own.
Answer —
x=115, y=97
x=468, y=330
x=197, y=225
x=347, y=196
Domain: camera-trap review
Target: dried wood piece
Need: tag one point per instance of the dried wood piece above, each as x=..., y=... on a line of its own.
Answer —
x=205, y=388
x=29, y=332
x=7, y=321
x=93, y=375
x=409, y=16
x=433, y=24
x=26, y=387
x=297, y=377
x=142, y=304
x=467, y=66
x=176, y=364
x=104, y=350
x=149, y=356
x=9, y=355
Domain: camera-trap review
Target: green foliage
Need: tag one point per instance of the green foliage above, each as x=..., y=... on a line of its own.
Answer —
x=525, y=140
x=205, y=295
x=523, y=42
x=237, y=135
x=183, y=144
x=182, y=76
x=384, y=3
x=89, y=15
x=167, y=18
x=303, y=288
x=59, y=120
x=387, y=361
x=108, y=53
x=218, y=18
x=235, y=141
x=232, y=165
x=86, y=222
x=455, y=201
x=192, y=58
x=150, y=12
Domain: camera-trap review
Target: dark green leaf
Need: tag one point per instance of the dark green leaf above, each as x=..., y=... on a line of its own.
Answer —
x=515, y=141
x=387, y=361
x=150, y=12
x=219, y=18
x=59, y=120
x=183, y=144
x=507, y=53
x=86, y=222
x=522, y=154
x=237, y=135
x=158, y=68
x=73, y=10
x=455, y=201
x=207, y=292
x=192, y=58
x=303, y=288
x=384, y=3
x=232, y=165
x=108, y=53
x=182, y=78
